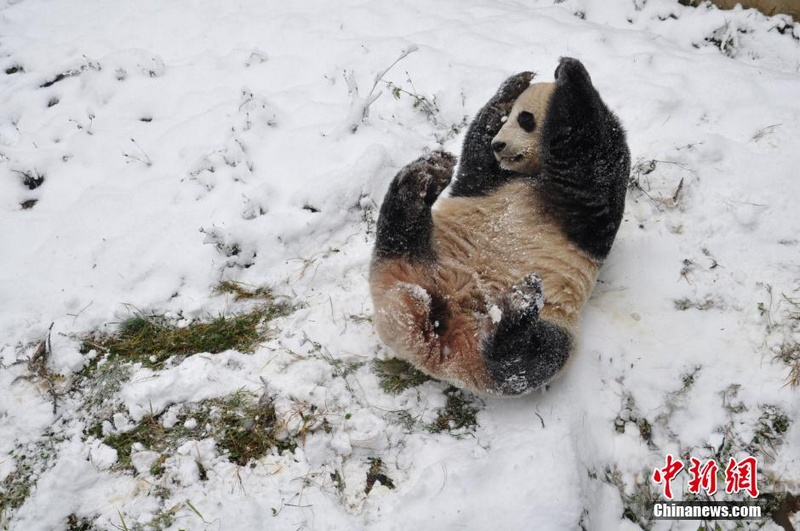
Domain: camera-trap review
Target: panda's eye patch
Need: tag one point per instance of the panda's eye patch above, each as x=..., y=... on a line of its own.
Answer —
x=526, y=121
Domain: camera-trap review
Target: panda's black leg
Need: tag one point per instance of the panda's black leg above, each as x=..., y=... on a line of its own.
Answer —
x=479, y=171
x=405, y=223
x=525, y=351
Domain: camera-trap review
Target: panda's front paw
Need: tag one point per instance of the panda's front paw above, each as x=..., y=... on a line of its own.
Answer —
x=429, y=175
x=490, y=118
x=571, y=70
x=512, y=87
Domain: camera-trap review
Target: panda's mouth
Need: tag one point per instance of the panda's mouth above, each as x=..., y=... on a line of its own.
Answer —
x=509, y=160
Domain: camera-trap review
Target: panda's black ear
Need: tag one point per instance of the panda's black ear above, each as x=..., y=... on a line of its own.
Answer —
x=570, y=71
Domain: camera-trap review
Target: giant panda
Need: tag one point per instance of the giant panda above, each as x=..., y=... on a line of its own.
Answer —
x=484, y=288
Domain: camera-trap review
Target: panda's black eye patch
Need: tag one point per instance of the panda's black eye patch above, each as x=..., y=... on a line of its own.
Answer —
x=526, y=121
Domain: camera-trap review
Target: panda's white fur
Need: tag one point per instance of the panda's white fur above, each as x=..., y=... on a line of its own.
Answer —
x=515, y=148
x=484, y=289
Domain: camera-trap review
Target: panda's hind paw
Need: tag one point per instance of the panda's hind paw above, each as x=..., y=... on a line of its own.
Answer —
x=527, y=296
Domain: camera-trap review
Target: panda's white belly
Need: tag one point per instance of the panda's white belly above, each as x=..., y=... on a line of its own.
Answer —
x=485, y=244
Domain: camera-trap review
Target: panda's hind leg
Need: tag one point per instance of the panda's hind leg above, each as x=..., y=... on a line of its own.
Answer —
x=405, y=223
x=525, y=351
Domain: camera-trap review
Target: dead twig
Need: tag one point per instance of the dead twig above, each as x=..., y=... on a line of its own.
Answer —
x=37, y=365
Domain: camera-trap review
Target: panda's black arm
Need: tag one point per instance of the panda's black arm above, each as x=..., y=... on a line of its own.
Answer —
x=585, y=161
x=479, y=171
x=405, y=222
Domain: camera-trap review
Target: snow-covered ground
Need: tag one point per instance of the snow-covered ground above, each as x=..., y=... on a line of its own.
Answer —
x=150, y=150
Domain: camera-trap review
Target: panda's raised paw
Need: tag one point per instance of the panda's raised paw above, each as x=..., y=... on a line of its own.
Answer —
x=429, y=175
x=570, y=69
x=512, y=87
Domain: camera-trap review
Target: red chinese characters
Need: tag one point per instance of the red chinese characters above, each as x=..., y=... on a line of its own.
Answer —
x=740, y=476
x=665, y=475
x=703, y=477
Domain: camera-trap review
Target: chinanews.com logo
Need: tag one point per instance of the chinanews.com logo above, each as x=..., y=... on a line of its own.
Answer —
x=740, y=476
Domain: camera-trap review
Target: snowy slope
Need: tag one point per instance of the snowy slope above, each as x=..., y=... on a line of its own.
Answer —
x=170, y=146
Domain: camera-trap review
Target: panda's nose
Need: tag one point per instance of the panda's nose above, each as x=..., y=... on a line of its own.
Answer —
x=497, y=147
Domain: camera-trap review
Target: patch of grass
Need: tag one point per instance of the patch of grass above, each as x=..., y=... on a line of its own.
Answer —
x=459, y=413
x=80, y=524
x=630, y=414
x=677, y=398
x=770, y=431
x=789, y=353
x=249, y=429
x=729, y=399
x=781, y=506
x=702, y=305
x=405, y=419
x=789, y=350
x=338, y=481
x=341, y=368
x=243, y=292
x=98, y=387
x=152, y=339
x=245, y=429
x=396, y=375
x=782, y=319
x=377, y=472
x=637, y=503
x=30, y=461
x=162, y=520
x=149, y=432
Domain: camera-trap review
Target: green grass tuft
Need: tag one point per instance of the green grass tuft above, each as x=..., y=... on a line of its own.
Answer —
x=770, y=431
x=789, y=352
x=243, y=292
x=149, y=432
x=396, y=375
x=153, y=339
x=248, y=429
x=783, y=319
x=80, y=524
x=459, y=413
x=30, y=461
x=637, y=502
x=245, y=429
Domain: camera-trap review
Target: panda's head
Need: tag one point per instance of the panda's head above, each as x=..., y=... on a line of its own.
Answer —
x=516, y=145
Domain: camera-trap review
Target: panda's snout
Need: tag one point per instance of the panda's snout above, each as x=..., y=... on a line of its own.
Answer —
x=498, y=146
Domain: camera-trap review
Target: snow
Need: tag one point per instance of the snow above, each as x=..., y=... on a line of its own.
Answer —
x=181, y=132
